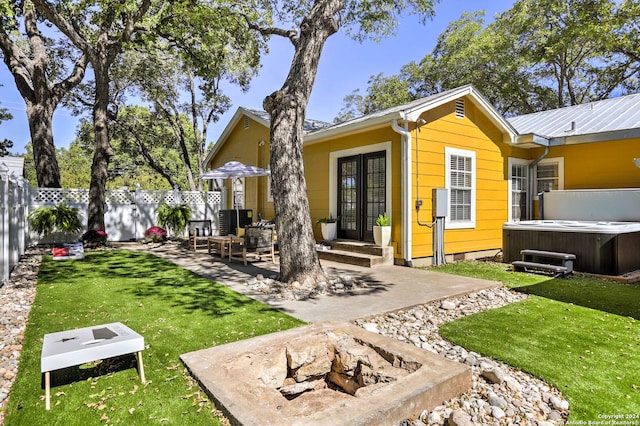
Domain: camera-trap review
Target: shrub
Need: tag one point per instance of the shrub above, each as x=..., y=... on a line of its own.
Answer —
x=94, y=238
x=174, y=218
x=61, y=218
x=155, y=234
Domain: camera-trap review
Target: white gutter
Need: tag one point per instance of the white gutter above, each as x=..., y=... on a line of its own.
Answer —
x=407, y=208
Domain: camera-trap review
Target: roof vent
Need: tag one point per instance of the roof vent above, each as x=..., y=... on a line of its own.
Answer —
x=460, y=108
x=246, y=122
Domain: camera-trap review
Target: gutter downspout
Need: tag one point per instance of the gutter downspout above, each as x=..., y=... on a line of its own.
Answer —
x=406, y=191
x=531, y=181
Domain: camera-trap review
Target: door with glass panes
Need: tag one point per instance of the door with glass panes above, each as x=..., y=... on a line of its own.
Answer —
x=361, y=194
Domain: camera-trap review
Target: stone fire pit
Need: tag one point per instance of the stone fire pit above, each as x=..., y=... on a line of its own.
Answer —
x=326, y=373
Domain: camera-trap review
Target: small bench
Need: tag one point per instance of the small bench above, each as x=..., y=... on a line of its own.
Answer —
x=559, y=263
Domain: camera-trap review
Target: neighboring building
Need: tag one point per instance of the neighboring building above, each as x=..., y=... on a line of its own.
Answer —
x=14, y=164
x=392, y=160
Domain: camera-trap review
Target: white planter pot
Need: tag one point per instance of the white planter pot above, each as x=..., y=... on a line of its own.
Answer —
x=329, y=231
x=382, y=235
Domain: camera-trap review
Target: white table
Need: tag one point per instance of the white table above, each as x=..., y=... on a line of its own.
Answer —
x=75, y=347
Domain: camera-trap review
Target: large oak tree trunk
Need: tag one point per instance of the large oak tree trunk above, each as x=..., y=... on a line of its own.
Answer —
x=287, y=108
x=44, y=150
x=102, y=150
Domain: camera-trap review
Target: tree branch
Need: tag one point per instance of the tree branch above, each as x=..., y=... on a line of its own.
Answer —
x=18, y=64
x=290, y=34
x=63, y=25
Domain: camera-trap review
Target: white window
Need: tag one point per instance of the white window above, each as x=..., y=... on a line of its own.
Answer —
x=461, y=182
x=238, y=193
x=549, y=175
x=519, y=187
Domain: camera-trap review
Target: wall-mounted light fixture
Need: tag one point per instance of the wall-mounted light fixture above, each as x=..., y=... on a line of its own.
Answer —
x=637, y=162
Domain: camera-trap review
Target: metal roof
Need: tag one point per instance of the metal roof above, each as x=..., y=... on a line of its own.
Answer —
x=609, y=115
x=309, y=125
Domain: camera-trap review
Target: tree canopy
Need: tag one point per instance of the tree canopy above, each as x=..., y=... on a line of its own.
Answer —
x=210, y=35
x=537, y=55
x=44, y=70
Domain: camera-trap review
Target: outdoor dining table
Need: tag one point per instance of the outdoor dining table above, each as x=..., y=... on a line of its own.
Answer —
x=222, y=243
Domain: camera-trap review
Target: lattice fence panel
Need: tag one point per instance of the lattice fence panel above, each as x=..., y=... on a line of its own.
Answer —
x=155, y=197
x=120, y=196
x=198, y=197
x=56, y=196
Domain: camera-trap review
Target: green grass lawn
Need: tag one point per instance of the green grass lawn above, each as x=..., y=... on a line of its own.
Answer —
x=580, y=334
x=175, y=310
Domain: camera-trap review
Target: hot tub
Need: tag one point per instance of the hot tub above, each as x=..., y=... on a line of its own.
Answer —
x=607, y=248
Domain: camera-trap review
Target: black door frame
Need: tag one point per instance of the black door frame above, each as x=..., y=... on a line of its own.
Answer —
x=358, y=224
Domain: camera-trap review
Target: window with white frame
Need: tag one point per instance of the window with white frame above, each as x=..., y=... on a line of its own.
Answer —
x=238, y=193
x=519, y=181
x=460, y=181
x=549, y=175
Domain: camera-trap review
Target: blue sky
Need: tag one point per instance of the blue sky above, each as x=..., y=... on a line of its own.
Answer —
x=345, y=65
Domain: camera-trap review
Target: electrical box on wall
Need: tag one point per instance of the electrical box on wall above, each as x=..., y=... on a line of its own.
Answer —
x=439, y=200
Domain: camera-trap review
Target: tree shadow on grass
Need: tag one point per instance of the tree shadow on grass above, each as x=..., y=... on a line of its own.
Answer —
x=613, y=297
x=148, y=276
x=90, y=370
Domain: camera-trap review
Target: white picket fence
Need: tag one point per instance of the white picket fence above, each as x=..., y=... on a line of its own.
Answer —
x=127, y=213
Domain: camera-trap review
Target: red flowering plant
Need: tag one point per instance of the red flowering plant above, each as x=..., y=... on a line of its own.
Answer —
x=155, y=234
x=94, y=238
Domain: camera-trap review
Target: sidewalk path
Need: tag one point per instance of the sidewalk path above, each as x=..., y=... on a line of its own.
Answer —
x=389, y=288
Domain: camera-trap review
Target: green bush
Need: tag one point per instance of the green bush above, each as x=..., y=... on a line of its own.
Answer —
x=174, y=218
x=61, y=218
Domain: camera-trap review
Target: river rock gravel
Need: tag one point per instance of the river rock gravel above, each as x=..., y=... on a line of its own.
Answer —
x=500, y=395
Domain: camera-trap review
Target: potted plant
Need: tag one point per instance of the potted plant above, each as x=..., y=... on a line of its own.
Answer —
x=174, y=218
x=329, y=227
x=61, y=218
x=382, y=230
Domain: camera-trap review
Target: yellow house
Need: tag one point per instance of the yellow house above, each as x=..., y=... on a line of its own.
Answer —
x=588, y=146
x=449, y=162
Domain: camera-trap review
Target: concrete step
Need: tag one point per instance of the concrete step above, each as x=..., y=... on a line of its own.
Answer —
x=356, y=247
x=356, y=253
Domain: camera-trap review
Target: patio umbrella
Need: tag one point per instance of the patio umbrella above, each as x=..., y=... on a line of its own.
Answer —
x=233, y=170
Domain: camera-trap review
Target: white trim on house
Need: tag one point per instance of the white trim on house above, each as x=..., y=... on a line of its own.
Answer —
x=553, y=160
x=512, y=161
x=471, y=223
x=333, y=173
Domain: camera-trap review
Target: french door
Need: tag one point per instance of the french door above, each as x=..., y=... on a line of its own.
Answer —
x=361, y=194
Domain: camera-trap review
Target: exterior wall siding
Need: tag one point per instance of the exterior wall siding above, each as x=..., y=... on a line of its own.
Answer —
x=599, y=165
x=317, y=158
x=472, y=133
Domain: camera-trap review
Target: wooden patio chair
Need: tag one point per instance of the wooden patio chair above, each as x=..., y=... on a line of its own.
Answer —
x=199, y=233
x=256, y=241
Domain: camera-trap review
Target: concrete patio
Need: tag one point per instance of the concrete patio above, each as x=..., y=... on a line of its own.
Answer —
x=389, y=288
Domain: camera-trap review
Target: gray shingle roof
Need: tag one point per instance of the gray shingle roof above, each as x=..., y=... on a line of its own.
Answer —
x=608, y=115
